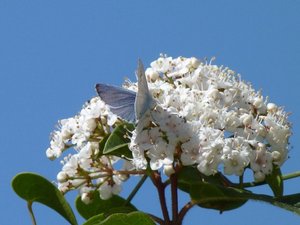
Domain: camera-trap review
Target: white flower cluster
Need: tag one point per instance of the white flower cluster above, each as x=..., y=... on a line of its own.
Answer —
x=206, y=116
x=78, y=130
x=87, y=169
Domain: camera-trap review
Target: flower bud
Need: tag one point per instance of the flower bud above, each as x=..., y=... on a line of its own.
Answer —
x=259, y=176
x=85, y=198
x=276, y=156
x=258, y=102
x=151, y=74
x=62, y=177
x=195, y=62
x=169, y=170
x=271, y=108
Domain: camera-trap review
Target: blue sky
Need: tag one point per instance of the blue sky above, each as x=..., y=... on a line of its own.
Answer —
x=52, y=53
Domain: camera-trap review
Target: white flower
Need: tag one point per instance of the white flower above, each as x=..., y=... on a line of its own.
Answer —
x=205, y=116
x=236, y=156
x=261, y=160
x=106, y=190
x=209, y=118
x=190, y=151
x=162, y=64
x=161, y=153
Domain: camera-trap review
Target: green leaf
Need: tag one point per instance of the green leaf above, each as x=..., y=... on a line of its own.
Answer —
x=275, y=181
x=95, y=220
x=293, y=200
x=105, y=207
x=217, y=192
x=206, y=194
x=35, y=188
x=134, y=218
x=289, y=202
x=189, y=175
x=117, y=142
x=209, y=189
x=216, y=197
x=102, y=144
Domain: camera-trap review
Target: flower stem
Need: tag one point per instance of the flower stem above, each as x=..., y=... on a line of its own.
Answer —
x=174, y=194
x=156, y=179
x=135, y=190
x=284, y=177
x=184, y=210
x=291, y=175
x=156, y=219
x=241, y=181
x=29, y=206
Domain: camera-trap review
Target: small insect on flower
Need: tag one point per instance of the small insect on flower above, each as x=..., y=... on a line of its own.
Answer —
x=190, y=113
x=125, y=103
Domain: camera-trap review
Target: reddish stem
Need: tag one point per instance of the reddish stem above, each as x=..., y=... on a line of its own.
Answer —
x=156, y=219
x=174, y=195
x=156, y=179
x=183, y=211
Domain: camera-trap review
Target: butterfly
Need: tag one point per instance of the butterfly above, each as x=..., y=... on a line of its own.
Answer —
x=127, y=104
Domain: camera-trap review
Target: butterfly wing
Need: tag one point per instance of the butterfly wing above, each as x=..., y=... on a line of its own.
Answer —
x=120, y=100
x=143, y=100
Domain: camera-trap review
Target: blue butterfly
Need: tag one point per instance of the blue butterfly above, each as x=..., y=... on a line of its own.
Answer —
x=126, y=104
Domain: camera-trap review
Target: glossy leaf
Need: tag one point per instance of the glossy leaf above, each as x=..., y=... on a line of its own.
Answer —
x=189, y=175
x=102, y=144
x=95, y=220
x=293, y=200
x=217, y=192
x=208, y=194
x=35, y=188
x=190, y=180
x=275, y=181
x=106, y=207
x=289, y=202
x=216, y=197
x=117, y=142
x=134, y=218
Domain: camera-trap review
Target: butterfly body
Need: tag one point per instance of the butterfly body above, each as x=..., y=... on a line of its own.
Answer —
x=144, y=99
x=127, y=104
